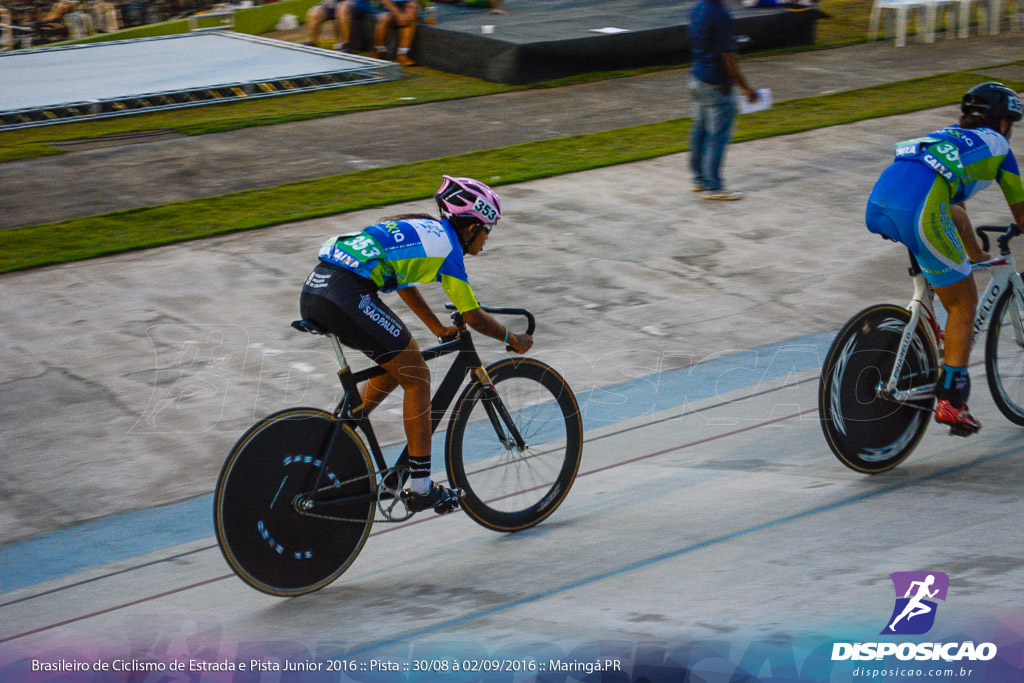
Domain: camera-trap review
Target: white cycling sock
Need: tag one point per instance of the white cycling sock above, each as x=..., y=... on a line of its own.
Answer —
x=419, y=485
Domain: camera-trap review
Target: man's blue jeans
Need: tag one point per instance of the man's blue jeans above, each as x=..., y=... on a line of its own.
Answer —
x=713, y=116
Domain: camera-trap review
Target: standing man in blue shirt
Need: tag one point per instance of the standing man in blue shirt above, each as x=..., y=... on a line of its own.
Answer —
x=715, y=70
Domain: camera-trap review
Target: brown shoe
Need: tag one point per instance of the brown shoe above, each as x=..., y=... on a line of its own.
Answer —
x=405, y=60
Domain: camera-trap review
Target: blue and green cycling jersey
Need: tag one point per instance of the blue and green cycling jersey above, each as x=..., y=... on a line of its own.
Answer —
x=969, y=159
x=402, y=253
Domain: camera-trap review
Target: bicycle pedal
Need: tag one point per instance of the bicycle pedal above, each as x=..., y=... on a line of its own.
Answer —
x=962, y=430
x=452, y=505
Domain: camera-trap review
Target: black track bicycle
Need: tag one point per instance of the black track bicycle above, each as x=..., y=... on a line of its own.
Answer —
x=300, y=490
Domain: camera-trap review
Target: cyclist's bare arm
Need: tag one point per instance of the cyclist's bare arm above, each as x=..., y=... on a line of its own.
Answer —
x=485, y=324
x=1018, y=214
x=966, y=231
x=415, y=301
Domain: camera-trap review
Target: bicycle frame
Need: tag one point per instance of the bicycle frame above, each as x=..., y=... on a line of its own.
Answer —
x=1003, y=271
x=350, y=410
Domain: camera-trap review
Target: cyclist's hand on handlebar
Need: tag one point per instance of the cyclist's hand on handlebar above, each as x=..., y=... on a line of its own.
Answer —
x=975, y=254
x=448, y=332
x=520, y=343
x=979, y=257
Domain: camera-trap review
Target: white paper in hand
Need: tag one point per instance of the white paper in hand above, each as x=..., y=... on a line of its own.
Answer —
x=764, y=101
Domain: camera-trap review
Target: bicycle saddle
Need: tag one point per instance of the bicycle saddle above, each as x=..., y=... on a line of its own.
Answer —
x=306, y=326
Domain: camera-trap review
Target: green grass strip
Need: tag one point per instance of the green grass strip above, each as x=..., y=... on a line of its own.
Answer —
x=254, y=20
x=846, y=24
x=122, y=231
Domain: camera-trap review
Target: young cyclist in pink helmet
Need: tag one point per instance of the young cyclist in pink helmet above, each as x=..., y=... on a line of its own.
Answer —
x=342, y=295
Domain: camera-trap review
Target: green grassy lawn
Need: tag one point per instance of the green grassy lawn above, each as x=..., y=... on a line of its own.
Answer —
x=141, y=228
x=846, y=23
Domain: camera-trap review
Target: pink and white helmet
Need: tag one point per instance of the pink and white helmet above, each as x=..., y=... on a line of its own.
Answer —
x=469, y=198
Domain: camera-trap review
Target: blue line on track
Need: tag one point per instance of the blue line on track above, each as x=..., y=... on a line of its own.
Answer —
x=673, y=554
x=102, y=542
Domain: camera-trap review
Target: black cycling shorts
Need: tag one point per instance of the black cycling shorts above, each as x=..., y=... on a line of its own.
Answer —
x=348, y=306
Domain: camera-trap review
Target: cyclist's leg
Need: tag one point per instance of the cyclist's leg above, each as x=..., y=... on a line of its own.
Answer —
x=911, y=204
x=348, y=305
x=408, y=370
x=944, y=261
x=960, y=300
x=376, y=390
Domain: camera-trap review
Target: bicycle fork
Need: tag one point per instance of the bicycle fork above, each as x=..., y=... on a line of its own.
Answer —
x=497, y=413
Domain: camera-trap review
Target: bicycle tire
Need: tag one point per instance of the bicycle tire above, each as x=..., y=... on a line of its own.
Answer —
x=506, y=490
x=1004, y=361
x=867, y=433
x=265, y=540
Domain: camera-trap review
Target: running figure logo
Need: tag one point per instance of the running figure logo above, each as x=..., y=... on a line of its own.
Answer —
x=915, y=608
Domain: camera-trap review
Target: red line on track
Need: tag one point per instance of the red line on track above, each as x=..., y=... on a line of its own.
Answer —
x=117, y=607
x=402, y=526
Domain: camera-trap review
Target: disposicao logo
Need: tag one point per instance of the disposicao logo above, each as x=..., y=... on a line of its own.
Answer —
x=916, y=593
x=912, y=615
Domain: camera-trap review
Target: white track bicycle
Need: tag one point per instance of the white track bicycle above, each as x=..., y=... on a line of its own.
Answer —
x=877, y=390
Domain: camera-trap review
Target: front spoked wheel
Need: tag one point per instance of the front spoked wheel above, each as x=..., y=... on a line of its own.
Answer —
x=867, y=431
x=514, y=449
x=1004, y=357
x=267, y=540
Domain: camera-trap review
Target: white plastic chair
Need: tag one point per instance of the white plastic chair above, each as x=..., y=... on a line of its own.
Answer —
x=932, y=8
x=6, y=30
x=1014, y=8
x=79, y=25
x=965, y=16
x=11, y=35
x=901, y=8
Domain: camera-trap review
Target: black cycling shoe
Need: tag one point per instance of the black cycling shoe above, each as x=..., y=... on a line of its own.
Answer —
x=442, y=499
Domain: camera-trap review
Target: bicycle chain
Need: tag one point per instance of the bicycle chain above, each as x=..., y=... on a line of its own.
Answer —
x=384, y=518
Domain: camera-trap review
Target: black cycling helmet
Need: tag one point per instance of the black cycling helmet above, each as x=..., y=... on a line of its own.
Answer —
x=994, y=101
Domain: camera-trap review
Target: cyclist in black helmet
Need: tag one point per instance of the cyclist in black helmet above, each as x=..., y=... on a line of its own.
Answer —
x=920, y=201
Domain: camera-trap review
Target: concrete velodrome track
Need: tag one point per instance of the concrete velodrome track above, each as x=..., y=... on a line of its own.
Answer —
x=709, y=518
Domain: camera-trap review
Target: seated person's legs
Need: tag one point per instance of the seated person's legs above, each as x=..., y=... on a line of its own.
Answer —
x=403, y=14
x=345, y=14
x=327, y=11
x=381, y=30
x=314, y=20
x=348, y=12
x=407, y=31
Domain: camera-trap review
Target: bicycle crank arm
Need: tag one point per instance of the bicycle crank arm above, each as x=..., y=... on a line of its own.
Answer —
x=906, y=397
x=304, y=504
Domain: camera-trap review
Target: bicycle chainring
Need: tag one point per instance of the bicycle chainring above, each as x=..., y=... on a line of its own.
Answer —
x=389, y=495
